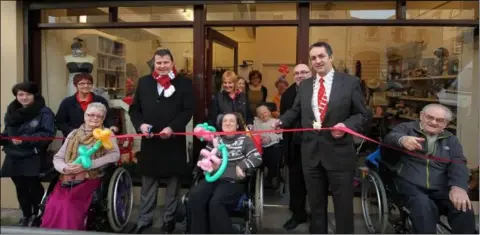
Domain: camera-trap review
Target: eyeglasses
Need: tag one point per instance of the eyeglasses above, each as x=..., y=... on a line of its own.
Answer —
x=91, y=115
x=303, y=72
x=430, y=118
x=84, y=84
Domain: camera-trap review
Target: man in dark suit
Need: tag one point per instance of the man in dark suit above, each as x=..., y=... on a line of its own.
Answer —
x=163, y=103
x=328, y=99
x=292, y=154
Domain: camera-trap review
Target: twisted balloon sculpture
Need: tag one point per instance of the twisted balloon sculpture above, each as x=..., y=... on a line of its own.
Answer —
x=85, y=154
x=202, y=131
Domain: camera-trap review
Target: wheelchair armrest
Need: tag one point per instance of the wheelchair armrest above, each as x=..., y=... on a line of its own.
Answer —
x=251, y=172
x=47, y=173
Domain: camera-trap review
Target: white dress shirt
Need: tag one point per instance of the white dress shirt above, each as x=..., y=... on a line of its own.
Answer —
x=328, y=80
x=159, y=89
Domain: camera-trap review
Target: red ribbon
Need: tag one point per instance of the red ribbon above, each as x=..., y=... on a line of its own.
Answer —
x=344, y=129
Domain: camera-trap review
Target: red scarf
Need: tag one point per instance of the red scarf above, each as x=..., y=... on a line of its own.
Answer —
x=84, y=103
x=164, y=80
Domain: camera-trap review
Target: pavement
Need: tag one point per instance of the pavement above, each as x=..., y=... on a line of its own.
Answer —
x=276, y=213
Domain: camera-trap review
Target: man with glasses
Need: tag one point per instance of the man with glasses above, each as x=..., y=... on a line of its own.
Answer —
x=430, y=187
x=292, y=154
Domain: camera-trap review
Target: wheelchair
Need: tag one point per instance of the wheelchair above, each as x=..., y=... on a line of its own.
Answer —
x=249, y=207
x=378, y=181
x=112, y=203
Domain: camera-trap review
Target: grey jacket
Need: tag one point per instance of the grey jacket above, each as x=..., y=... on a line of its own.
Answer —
x=241, y=152
x=428, y=173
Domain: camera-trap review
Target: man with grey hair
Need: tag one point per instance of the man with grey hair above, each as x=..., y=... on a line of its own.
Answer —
x=430, y=187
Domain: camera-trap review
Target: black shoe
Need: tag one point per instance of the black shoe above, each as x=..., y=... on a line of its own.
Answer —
x=293, y=223
x=24, y=221
x=168, y=227
x=138, y=229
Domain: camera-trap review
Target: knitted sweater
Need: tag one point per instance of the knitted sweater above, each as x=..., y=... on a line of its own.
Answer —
x=241, y=152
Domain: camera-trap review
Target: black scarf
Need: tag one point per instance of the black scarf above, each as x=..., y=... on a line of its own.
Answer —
x=17, y=114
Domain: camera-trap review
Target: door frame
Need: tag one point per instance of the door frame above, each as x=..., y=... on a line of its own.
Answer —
x=211, y=36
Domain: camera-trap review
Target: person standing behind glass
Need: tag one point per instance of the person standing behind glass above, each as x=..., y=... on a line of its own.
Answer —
x=27, y=116
x=72, y=109
x=230, y=100
x=255, y=91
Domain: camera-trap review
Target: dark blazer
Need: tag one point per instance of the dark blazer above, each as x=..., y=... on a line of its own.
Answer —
x=26, y=159
x=289, y=138
x=346, y=105
x=222, y=104
x=70, y=114
x=158, y=157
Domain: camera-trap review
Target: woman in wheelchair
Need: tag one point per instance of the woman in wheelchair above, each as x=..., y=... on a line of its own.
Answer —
x=68, y=205
x=272, y=151
x=211, y=203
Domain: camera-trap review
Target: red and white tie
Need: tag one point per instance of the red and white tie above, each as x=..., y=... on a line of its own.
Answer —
x=322, y=100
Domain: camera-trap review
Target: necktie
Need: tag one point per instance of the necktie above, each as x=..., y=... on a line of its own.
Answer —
x=322, y=100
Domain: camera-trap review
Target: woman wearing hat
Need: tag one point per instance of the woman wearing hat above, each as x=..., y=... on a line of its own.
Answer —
x=27, y=116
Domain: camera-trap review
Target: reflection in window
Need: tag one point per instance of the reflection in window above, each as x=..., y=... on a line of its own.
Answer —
x=75, y=15
x=467, y=10
x=155, y=13
x=272, y=11
x=404, y=68
x=119, y=57
x=353, y=10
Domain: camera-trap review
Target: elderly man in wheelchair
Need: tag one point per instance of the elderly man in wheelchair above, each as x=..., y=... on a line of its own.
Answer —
x=210, y=202
x=67, y=204
x=428, y=188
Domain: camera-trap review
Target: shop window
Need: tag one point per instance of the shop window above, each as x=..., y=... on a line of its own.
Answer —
x=155, y=13
x=404, y=68
x=75, y=15
x=442, y=10
x=384, y=10
x=252, y=11
x=118, y=57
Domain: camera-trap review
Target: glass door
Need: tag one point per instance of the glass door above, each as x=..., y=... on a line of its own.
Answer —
x=221, y=55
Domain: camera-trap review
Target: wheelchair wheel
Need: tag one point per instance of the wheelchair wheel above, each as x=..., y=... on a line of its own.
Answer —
x=120, y=199
x=258, y=203
x=373, y=180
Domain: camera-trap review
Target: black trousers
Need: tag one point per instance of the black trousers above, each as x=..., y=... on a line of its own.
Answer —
x=426, y=206
x=297, y=188
x=318, y=180
x=29, y=194
x=272, y=157
x=210, y=205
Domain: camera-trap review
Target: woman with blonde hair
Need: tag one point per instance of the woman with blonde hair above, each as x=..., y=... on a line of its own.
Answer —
x=230, y=100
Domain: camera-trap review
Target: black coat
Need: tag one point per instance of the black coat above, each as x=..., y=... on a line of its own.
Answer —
x=346, y=105
x=223, y=104
x=25, y=159
x=70, y=114
x=162, y=158
x=290, y=138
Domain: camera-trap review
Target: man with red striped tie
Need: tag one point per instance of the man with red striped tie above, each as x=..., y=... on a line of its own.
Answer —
x=328, y=99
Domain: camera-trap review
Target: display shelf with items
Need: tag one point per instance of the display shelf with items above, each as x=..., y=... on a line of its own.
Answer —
x=414, y=81
x=110, y=67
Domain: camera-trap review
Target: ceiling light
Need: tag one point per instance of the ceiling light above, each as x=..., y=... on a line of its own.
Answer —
x=82, y=19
